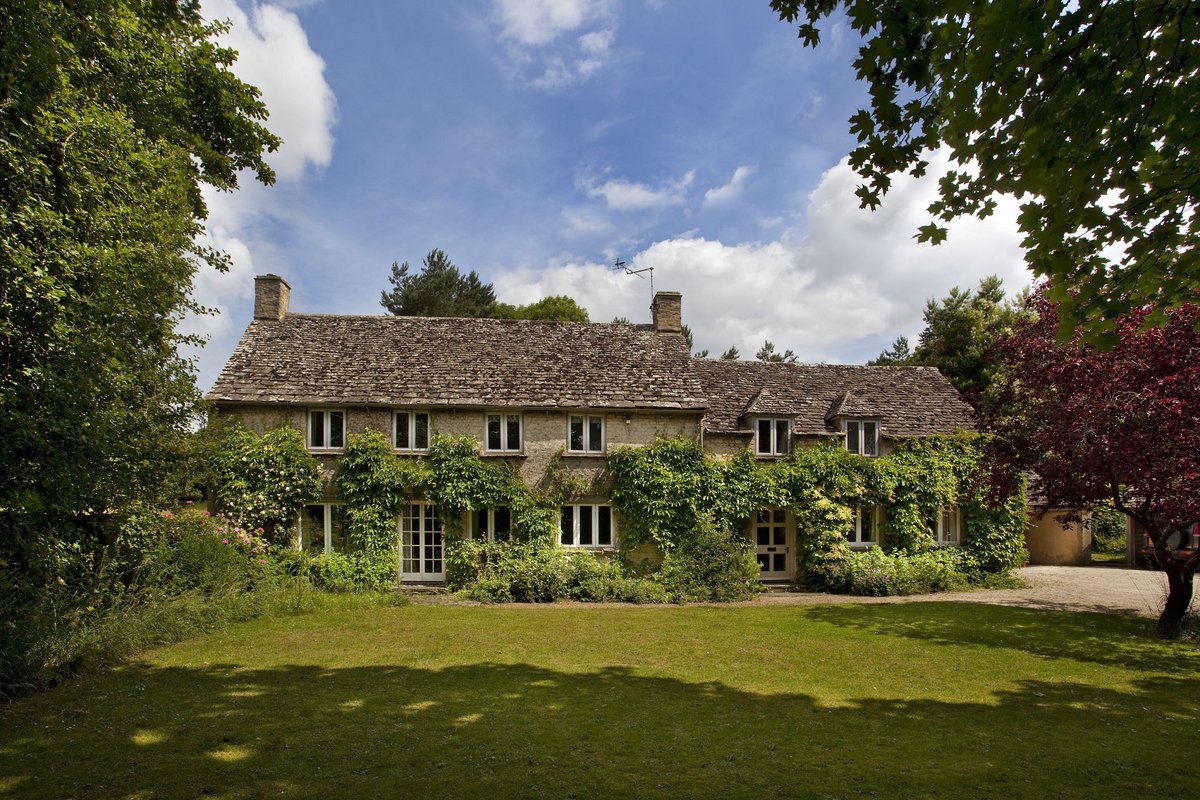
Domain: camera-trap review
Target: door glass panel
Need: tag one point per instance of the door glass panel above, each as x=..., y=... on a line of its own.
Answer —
x=778, y=515
x=780, y=562
x=764, y=535
x=764, y=562
x=780, y=535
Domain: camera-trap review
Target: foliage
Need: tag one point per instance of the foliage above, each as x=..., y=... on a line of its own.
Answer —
x=767, y=353
x=1118, y=426
x=877, y=573
x=731, y=354
x=264, y=481
x=557, y=307
x=691, y=343
x=1083, y=111
x=1108, y=530
x=709, y=565
x=665, y=493
x=898, y=354
x=440, y=290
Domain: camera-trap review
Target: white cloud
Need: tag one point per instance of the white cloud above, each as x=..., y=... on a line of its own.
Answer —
x=721, y=194
x=538, y=49
x=839, y=292
x=623, y=195
x=273, y=54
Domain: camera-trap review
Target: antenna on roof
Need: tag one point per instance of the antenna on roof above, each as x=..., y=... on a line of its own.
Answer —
x=619, y=264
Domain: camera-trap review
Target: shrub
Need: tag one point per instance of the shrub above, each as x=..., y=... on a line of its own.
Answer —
x=1108, y=530
x=709, y=565
x=876, y=573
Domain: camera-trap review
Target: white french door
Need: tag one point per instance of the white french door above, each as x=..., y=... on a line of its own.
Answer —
x=770, y=544
x=421, y=544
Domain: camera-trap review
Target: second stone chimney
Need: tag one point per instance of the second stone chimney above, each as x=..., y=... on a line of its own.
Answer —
x=667, y=312
x=271, y=295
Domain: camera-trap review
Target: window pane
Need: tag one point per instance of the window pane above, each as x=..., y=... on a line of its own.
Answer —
x=870, y=439
x=764, y=436
x=514, y=432
x=781, y=436
x=316, y=429
x=585, y=525
x=950, y=525
x=337, y=429
x=604, y=535
x=763, y=535
x=480, y=529
x=421, y=435
x=852, y=437
x=764, y=515
x=778, y=516
x=338, y=530
x=501, y=524
x=493, y=432
x=868, y=524
x=567, y=526
x=312, y=529
x=576, y=433
x=402, y=441
x=780, y=535
x=595, y=434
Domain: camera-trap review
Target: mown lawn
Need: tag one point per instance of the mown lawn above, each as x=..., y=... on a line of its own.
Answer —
x=915, y=700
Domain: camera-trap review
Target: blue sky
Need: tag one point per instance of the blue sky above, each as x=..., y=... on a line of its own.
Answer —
x=535, y=141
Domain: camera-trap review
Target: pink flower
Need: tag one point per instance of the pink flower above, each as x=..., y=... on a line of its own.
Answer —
x=225, y=540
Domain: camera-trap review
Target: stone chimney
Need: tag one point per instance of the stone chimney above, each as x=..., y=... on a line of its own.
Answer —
x=271, y=294
x=667, y=311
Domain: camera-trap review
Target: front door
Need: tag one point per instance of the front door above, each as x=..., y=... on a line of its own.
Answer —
x=421, y=544
x=770, y=544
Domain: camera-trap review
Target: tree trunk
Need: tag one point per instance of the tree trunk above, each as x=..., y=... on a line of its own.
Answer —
x=1179, y=596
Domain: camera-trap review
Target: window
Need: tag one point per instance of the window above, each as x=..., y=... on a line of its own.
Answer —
x=493, y=524
x=326, y=430
x=322, y=529
x=502, y=433
x=865, y=530
x=410, y=430
x=586, y=526
x=946, y=526
x=772, y=437
x=585, y=434
x=862, y=437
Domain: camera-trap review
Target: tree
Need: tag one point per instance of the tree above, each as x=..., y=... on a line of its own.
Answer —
x=556, y=307
x=1083, y=111
x=1118, y=426
x=896, y=355
x=731, y=354
x=687, y=337
x=767, y=353
x=440, y=290
x=114, y=113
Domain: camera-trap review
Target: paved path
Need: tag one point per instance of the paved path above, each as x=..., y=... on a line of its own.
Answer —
x=1106, y=590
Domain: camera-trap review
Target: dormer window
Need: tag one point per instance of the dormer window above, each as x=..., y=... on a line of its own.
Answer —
x=862, y=437
x=772, y=437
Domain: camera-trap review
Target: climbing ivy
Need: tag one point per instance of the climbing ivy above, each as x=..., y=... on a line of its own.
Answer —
x=662, y=492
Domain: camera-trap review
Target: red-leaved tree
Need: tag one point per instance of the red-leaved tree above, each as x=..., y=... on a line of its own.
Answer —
x=1120, y=426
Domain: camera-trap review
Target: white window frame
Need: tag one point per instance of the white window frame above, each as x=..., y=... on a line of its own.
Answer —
x=491, y=523
x=576, y=516
x=938, y=530
x=505, y=418
x=777, y=449
x=586, y=420
x=412, y=430
x=326, y=429
x=860, y=427
x=328, y=513
x=855, y=535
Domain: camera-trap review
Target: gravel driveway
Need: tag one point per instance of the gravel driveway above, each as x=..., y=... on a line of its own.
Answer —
x=1106, y=590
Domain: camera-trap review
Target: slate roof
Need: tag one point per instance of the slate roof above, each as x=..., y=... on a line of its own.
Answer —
x=419, y=361
x=908, y=401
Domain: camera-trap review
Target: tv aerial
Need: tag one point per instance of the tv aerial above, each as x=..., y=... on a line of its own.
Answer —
x=619, y=264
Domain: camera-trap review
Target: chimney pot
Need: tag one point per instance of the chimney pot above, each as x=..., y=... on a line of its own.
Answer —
x=271, y=296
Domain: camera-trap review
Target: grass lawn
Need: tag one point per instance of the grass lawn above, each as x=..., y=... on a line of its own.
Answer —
x=910, y=700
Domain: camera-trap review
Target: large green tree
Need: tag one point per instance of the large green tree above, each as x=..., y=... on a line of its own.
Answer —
x=112, y=113
x=557, y=307
x=438, y=290
x=1083, y=111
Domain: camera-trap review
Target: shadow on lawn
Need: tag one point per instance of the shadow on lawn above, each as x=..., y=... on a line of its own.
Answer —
x=497, y=731
x=1114, y=641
